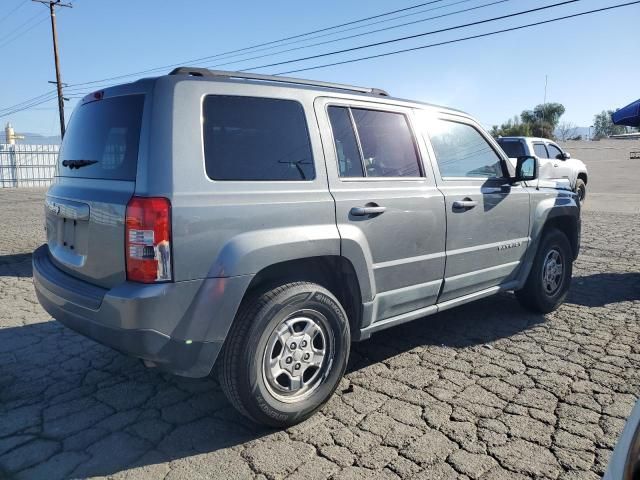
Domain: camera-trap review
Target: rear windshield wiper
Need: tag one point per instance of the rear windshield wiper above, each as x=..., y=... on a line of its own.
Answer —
x=77, y=163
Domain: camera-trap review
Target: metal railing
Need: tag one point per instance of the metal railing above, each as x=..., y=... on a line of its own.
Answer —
x=27, y=165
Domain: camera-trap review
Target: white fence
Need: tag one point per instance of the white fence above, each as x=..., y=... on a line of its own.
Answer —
x=27, y=165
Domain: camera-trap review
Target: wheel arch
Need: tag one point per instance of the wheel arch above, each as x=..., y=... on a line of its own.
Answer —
x=569, y=226
x=583, y=176
x=554, y=212
x=333, y=272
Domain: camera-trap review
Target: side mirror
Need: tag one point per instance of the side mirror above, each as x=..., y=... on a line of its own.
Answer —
x=526, y=169
x=566, y=155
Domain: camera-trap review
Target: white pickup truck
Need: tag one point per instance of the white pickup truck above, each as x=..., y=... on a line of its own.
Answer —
x=553, y=162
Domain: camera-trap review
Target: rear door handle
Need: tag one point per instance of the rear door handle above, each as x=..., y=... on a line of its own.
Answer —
x=364, y=211
x=464, y=204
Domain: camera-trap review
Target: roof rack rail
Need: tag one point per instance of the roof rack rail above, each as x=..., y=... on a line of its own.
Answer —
x=205, y=72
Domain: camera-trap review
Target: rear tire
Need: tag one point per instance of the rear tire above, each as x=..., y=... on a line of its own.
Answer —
x=581, y=190
x=285, y=354
x=550, y=277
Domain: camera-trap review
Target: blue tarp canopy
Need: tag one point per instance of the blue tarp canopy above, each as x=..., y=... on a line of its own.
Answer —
x=629, y=115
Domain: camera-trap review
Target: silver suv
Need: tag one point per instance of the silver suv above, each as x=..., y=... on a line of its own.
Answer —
x=263, y=223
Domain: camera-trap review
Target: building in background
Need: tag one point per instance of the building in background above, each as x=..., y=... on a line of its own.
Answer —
x=25, y=164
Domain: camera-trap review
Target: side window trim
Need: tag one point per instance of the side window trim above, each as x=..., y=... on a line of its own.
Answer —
x=358, y=143
x=419, y=157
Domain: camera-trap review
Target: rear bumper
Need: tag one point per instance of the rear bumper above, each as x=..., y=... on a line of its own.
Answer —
x=179, y=326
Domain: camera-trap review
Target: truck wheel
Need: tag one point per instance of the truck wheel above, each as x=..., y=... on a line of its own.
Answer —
x=550, y=277
x=285, y=354
x=581, y=190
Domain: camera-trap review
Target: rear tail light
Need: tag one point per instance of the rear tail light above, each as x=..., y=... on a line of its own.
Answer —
x=148, y=240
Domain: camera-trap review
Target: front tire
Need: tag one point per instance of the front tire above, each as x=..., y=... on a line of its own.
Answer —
x=285, y=354
x=549, y=280
x=581, y=190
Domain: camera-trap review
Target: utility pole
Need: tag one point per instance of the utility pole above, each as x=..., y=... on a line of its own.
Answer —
x=52, y=5
x=544, y=103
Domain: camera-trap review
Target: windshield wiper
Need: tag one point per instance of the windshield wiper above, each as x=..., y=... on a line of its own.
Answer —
x=77, y=163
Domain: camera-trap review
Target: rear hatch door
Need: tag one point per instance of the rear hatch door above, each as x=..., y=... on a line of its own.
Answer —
x=85, y=207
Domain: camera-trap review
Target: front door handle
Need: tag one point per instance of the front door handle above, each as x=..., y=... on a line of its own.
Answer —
x=464, y=204
x=365, y=211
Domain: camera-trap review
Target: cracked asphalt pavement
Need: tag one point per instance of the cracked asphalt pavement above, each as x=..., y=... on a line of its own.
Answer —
x=484, y=391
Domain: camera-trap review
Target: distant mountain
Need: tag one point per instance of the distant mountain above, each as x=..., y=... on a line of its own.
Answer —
x=582, y=131
x=33, y=139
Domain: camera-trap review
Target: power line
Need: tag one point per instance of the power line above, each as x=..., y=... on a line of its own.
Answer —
x=27, y=107
x=314, y=37
x=104, y=82
x=76, y=91
x=369, y=45
x=371, y=32
x=29, y=20
x=439, y=31
x=252, y=47
x=22, y=33
x=24, y=2
x=418, y=35
x=17, y=105
x=457, y=40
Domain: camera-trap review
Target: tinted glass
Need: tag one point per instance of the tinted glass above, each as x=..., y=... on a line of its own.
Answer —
x=349, y=160
x=102, y=139
x=461, y=151
x=387, y=144
x=513, y=148
x=540, y=150
x=554, y=151
x=249, y=138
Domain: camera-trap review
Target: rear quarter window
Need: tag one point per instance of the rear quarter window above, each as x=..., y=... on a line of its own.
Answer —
x=256, y=139
x=102, y=139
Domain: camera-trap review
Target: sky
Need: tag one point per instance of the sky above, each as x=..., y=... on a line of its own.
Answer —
x=590, y=62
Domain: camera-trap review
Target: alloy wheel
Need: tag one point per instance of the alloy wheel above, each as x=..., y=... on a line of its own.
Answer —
x=298, y=355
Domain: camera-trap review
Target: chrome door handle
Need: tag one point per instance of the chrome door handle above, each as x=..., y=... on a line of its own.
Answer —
x=364, y=211
x=464, y=204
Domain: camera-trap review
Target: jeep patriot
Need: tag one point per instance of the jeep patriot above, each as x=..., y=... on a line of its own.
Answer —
x=260, y=224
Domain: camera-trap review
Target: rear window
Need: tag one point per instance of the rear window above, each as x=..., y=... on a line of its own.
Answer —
x=258, y=139
x=102, y=139
x=513, y=148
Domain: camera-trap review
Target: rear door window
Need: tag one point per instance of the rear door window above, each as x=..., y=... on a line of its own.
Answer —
x=513, y=148
x=102, y=139
x=373, y=143
x=256, y=139
x=387, y=144
x=540, y=150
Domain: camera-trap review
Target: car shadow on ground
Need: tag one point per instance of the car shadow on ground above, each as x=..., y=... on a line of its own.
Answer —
x=602, y=289
x=15, y=265
x=476, y=324
x=71, y=407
